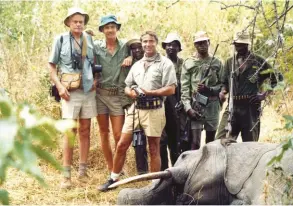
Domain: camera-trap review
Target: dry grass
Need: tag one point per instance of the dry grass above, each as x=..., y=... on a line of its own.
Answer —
x=26, y=190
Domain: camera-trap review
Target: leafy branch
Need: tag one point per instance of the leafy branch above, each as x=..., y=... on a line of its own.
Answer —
x=25, y=138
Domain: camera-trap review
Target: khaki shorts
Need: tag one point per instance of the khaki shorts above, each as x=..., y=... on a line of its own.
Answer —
x=152, y=121
x=109, y=105
x=80, y=105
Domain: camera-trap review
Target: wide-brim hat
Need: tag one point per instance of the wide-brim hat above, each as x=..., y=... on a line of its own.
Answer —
x=108, y=19
x=75, y=10
x=242, y=38
x=170, y=38
x=200, y=36
x=133, y=41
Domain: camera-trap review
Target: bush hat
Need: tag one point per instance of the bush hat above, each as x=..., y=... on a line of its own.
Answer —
x=133, y=41
x=170, y=38
x=242, y=37
x=75, y=10
x=108, y=19
x=200, y=36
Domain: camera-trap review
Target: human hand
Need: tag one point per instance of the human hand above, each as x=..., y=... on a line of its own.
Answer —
x=193, y=114
x=127, y=62
x=63, y=92
x=132, y=94
x=257, y=98
x=201, y=88
x=222, y=97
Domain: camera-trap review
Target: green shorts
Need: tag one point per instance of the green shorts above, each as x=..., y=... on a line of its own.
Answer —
x=109, y=105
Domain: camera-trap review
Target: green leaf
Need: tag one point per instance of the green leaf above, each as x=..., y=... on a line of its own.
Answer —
x=4, y=197
x=5, y=109
x=47, y=157
x=39, y=134
x=288, y=117
x=8, y=132
x=267, y=71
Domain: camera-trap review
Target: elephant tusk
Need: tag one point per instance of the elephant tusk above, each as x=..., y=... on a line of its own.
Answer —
x=150, y=176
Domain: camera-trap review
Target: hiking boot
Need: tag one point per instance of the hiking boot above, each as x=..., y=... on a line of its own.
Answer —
x=104, y=187
x=66, y=183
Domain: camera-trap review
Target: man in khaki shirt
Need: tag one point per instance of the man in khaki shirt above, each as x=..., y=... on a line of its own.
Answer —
x=155, y=76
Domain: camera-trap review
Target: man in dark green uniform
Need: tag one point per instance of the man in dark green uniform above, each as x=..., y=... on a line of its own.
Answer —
x=170, y=134
x=248, y=78
x=200, y=80
x=140, y=149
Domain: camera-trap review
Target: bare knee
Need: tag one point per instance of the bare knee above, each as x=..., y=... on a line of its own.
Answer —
x=122, y=147
x=84, y=128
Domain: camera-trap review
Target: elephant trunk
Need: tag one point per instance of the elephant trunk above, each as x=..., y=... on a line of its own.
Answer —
x=150, y=176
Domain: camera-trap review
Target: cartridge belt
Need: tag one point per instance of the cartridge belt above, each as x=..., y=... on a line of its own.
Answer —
x=149, y=102
x=110, y=91
x=241, y=97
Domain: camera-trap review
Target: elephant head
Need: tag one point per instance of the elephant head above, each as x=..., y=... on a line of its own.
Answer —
x=214, y=174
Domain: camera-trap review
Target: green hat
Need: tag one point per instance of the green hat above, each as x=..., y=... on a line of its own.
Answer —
x=242, y=37
x=170, y=38
x=108, y=19
x=72, y=11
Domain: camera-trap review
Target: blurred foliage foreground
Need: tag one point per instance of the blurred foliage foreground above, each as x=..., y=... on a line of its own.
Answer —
x=26, y=138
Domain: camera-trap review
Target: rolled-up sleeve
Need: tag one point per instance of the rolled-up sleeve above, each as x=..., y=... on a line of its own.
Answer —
x=56, y=47
x=169, y=75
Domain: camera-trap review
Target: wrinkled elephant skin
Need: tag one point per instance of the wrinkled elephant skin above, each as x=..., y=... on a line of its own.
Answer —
x=216, y=174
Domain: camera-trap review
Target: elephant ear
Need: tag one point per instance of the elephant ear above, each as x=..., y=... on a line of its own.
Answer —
x=241, y=160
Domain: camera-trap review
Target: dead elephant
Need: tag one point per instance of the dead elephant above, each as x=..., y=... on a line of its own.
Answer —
x=217, y=174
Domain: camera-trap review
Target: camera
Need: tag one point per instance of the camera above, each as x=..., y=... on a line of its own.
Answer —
x=76, y=61
x=96, y=68
x=55, y=93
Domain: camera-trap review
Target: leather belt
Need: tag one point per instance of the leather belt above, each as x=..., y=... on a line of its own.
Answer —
x=111, y=91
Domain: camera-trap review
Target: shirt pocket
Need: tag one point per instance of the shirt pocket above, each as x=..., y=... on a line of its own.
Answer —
x=65, y=54
x=157, y=75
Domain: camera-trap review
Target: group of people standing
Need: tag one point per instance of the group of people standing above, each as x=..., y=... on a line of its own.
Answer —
x=150, y=96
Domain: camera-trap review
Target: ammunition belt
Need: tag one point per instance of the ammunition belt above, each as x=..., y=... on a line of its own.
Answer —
x=149, y=102
x=241, y=97
x=110, y=91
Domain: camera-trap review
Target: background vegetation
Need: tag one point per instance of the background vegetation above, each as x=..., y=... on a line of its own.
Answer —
x=28, y=28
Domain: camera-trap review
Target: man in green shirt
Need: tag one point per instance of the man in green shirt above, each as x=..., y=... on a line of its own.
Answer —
x=249, y=75
x=200, y=78
x=112, y=54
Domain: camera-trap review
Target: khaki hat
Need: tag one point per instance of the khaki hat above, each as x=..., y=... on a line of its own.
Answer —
x=76, y=10
x=200, y=36
x=133, y=41
x=242, y=37
x=170, y=38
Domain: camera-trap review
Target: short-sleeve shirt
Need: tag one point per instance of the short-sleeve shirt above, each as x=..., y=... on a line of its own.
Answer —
x=61, y=55
x=193, y=71
x=111, y=63
x=160, y=73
